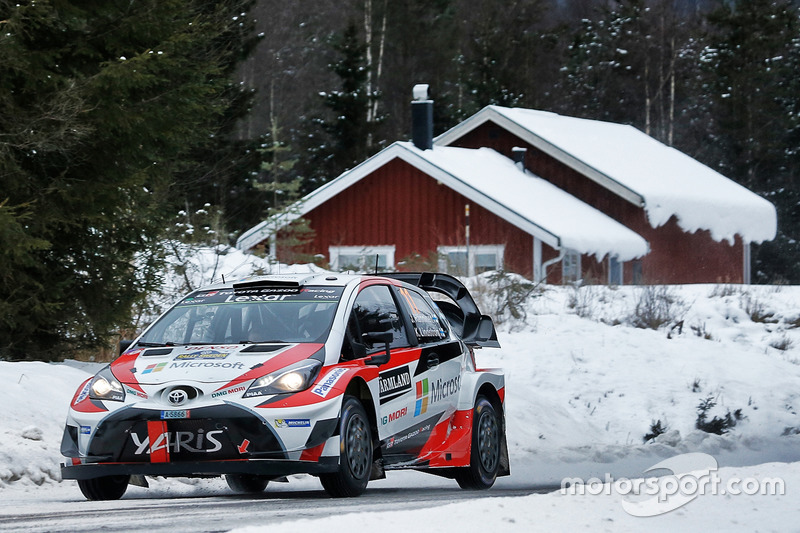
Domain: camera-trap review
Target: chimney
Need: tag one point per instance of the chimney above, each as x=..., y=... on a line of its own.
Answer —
x=518, y=156
x=421, y=118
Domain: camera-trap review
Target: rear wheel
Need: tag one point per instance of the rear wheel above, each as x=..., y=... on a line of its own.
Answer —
x=246, y=483
x=104, y=488
x=355, y=453
x=484, y=461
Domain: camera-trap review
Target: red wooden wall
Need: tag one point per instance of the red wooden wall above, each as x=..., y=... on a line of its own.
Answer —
x=402, y=206
x=675, y=256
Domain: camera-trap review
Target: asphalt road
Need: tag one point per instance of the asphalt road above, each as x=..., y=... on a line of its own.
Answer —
x=67, y=511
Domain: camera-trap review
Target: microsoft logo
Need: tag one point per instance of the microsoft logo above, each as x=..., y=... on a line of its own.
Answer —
x=154, y=368
x=422, y=397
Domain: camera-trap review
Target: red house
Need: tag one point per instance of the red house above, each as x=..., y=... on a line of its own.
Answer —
x=554, y=198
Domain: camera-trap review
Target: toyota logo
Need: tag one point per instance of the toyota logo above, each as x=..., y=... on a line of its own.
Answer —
x=177, y=397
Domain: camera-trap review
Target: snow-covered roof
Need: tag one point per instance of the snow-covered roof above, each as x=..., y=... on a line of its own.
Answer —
x=498, y=185
x=662, y=180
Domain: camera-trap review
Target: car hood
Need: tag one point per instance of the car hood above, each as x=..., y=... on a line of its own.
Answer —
x=209, y=364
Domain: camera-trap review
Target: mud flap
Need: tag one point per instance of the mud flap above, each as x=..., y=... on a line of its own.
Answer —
x=139, y=481
x=378, y=472
x=504, y=469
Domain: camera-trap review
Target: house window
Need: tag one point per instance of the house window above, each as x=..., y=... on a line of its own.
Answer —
x=614, y=271
x=571, y=267
x=456, y=260
x=638, y=275
x=361, y=258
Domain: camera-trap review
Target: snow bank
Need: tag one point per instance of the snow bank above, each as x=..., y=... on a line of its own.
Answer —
x=35, y=397
x=584, y=392
x=564, y=512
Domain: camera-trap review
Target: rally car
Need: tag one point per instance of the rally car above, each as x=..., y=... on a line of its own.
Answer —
x=338, y=376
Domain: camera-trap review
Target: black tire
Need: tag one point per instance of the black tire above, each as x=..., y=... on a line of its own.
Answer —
x=484, y=459
x=355, y=455
x=246, y=483
x=104, y=488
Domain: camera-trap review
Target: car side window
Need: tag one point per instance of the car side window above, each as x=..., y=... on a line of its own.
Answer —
x=428, y=327
x=374, y=311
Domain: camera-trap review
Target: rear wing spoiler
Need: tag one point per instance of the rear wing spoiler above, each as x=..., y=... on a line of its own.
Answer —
x=476, y=329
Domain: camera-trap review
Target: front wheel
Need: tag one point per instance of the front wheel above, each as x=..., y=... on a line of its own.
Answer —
x=484, y=459
x=355, y=453
x=104, y=488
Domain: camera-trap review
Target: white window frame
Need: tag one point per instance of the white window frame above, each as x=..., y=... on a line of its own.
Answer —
x=746, y=268
x=365, y=252
x=576, y=258
x=476, y=249
x=620, y=266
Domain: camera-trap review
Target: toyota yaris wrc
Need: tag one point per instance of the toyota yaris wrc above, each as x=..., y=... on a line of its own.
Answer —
x=338, y=376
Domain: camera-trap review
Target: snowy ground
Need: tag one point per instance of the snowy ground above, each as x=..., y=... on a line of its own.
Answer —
x=581, y=394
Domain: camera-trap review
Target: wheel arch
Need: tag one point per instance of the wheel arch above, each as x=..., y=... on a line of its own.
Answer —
x=488, y=390
x=359, y=389
x=489, y=384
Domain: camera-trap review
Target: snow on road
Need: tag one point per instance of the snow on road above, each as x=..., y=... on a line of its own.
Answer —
x=582, y=391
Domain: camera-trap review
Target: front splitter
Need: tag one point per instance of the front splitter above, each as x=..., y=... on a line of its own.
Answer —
x=263, y=467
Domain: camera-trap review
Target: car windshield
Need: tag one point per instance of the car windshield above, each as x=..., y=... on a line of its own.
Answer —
x=255, y=315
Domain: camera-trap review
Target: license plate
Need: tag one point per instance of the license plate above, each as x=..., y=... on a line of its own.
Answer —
x=172, y=415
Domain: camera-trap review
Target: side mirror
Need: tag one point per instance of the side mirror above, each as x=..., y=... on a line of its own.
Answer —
x=124, y=345
x=373, y=338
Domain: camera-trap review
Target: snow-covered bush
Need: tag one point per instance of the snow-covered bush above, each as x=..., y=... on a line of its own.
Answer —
x=657, y=306
x=504, y=296
x=583, y=299
x=755, y=308
x=191, y=266
x=656, y=429
x=717, y=425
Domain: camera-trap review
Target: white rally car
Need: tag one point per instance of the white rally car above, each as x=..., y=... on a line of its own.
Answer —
x=338, y=376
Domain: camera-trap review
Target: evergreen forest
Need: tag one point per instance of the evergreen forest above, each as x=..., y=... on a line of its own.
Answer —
x=125, y=125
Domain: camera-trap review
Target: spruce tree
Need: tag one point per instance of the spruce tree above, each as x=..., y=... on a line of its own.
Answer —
x=751, y=58
x=103, y=105
x=343, y=138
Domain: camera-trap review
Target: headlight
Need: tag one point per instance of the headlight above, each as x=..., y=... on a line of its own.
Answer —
x=105, y=386
x=294, y=378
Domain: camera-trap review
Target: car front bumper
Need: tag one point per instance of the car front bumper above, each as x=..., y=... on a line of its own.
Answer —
x=207, y=441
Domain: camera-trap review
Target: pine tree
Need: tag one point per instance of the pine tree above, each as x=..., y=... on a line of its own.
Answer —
x=633, y=64
x=752, y=57
x=603, y=76
x=290, y=231
x=102, y=106
x=344, y=138
x=503, y=55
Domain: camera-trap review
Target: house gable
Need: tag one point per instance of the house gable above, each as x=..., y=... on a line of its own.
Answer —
x=493, y=182
x=398, y=204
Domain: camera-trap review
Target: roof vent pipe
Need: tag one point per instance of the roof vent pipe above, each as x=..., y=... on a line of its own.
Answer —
x=518, y=156
x=421, y=118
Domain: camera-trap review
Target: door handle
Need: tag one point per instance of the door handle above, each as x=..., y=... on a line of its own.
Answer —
x=433, y=361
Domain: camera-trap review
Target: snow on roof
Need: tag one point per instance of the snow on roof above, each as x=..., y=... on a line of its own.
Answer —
x=664, y=181
x=494, y=182
x=577, y=225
